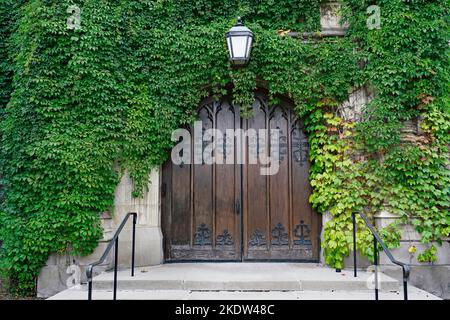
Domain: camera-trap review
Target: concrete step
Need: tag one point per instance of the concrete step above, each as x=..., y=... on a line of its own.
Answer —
x=81, y=294
x=243, y=277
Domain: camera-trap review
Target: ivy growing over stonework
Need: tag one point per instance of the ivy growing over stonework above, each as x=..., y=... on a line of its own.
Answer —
x=78, y=107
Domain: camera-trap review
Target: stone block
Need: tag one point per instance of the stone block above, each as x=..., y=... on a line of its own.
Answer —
x=410, y=237
x=434, y=279
x=149, y=247
x=96, y=255
x=362, y=262
x=402, y=254
x=330, y=17
x=352, y=108
x=51, y=280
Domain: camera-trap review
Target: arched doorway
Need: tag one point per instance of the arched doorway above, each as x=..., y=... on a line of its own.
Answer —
x=232, y=212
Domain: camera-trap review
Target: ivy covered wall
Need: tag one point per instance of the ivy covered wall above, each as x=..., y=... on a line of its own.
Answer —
x=80, y=106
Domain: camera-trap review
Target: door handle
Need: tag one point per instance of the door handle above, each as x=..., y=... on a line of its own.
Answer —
x=163, y=190
x=238, y=207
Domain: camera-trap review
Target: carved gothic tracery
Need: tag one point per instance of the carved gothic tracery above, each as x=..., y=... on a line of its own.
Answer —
x=202, y=236
x=225, y=239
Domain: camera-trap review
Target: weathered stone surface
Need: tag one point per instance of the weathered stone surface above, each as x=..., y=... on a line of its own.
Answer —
x=51, y=281
x=352, y=109
x=149, y=240
x=53, y=278
x=402, y=254
x=326, y=216
x=330, y=18
x=411, y=132
x=434, y=279
x=410, y=237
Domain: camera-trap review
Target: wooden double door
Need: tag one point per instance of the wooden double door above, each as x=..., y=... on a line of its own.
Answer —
x=233, y=212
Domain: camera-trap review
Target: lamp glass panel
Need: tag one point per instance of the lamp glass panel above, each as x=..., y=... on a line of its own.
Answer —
x=249, y=46
x=239, y=46
x=229, y=47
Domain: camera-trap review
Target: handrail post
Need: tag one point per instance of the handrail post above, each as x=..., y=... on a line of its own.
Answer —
x=89, y=289
x=133, y=248
x=354, y=245
x=89, y=280
x=405, y=284
x=375, y=255
x=116, y=254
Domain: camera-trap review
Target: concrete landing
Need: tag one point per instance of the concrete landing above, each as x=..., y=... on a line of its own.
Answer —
x=81, y=294
x=237, y=281
x=241, y=277
x=242, y=281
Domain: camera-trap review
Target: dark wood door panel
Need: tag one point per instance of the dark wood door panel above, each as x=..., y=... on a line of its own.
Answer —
x=256, y=187
x=205, y=196
x=230, y=212
x=280, y=223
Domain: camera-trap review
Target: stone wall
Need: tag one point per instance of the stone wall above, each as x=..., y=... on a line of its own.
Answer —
x=149, y=251
x=434, y=278
x=330, y=18
x=351, y=110
x=148, y=230
x=149, y=242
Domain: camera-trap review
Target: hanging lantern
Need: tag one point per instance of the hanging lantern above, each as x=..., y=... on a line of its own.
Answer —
x=239, y=41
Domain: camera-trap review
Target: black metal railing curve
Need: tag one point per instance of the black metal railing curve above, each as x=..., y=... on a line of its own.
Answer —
x=406, y=268
x=114, y=242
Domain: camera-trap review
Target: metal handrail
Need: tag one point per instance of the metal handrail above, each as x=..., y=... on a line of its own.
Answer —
x=114, y=242
x=406, y=268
